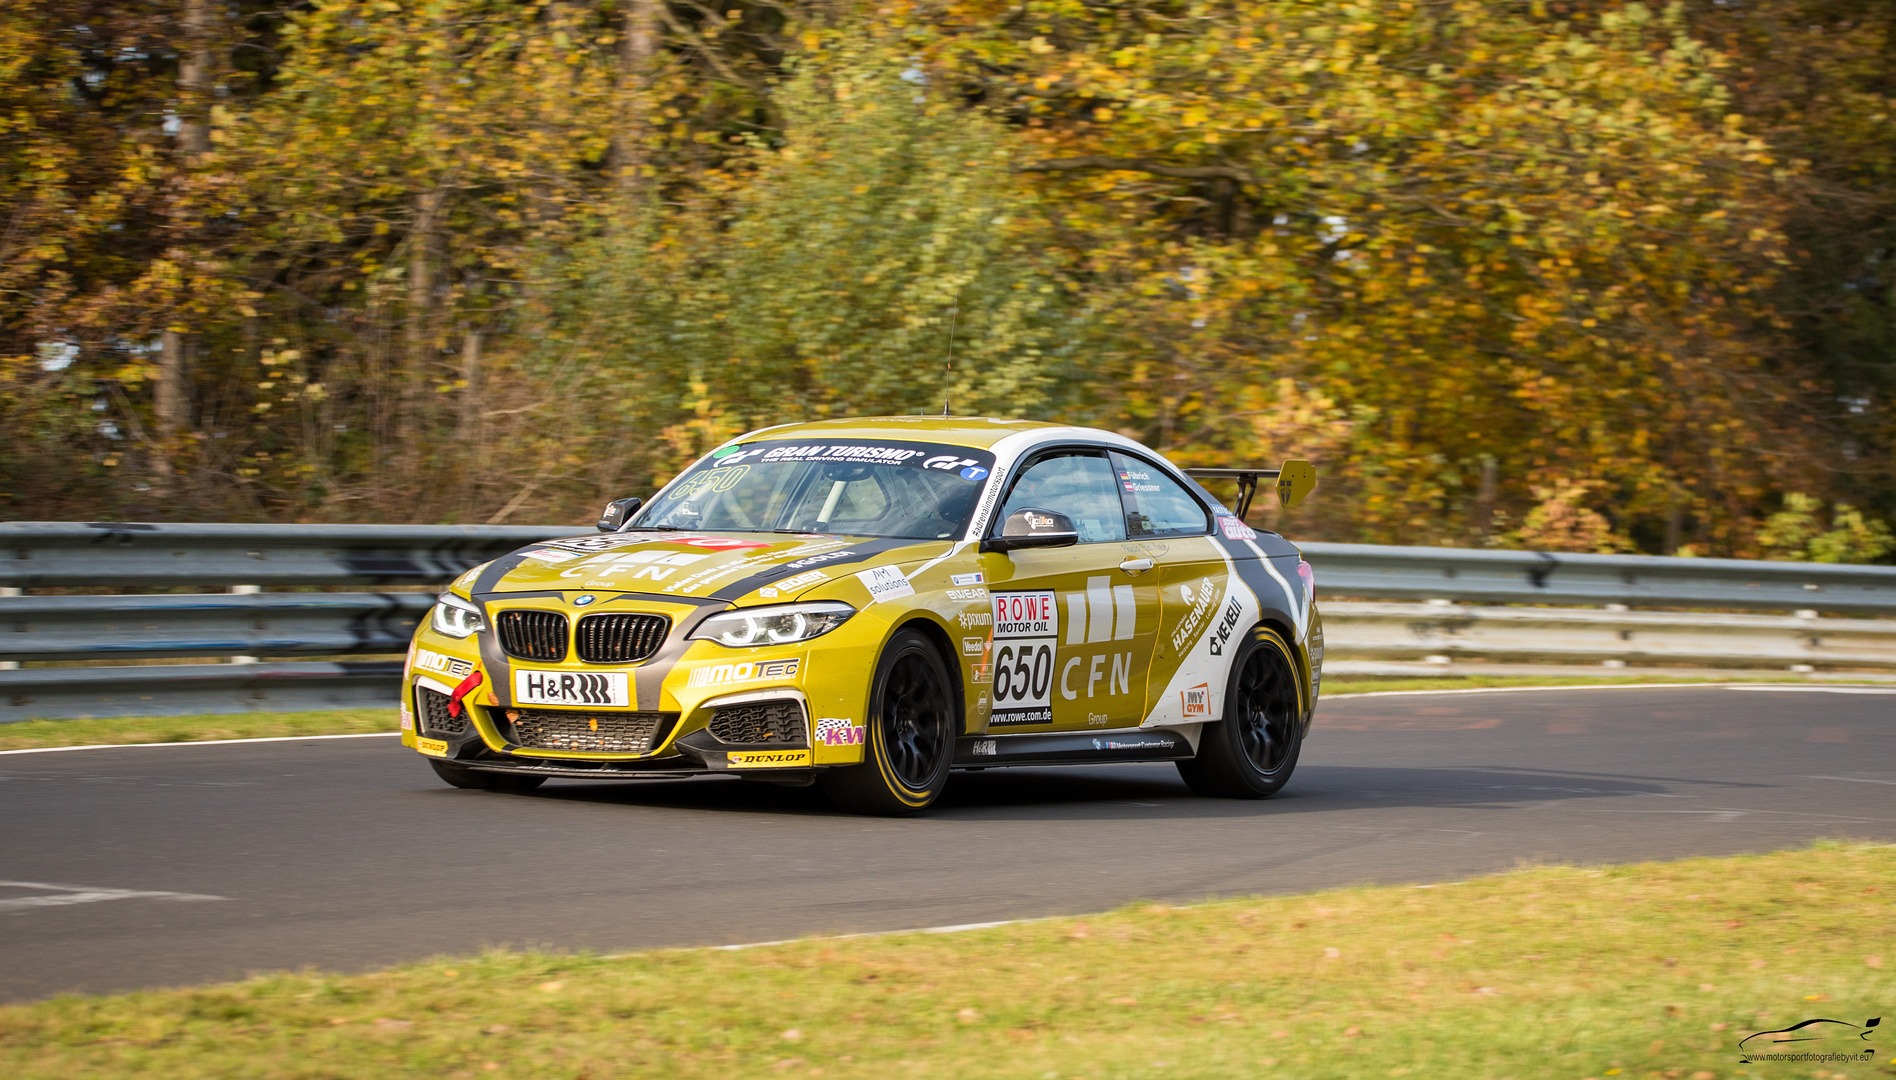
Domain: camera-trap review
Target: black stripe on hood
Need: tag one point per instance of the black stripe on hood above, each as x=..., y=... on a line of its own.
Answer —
x=823, y=560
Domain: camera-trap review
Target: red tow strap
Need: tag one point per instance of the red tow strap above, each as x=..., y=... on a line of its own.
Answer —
x=467, y=687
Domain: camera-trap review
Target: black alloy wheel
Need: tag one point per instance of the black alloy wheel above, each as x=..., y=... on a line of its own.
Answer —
x=1251, y=752
x=914, y=718
x=1267, y=709
x=911, y=738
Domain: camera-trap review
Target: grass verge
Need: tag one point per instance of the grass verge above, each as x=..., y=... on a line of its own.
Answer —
x=29, y=734
x=1654, y=970
x=1340, y=685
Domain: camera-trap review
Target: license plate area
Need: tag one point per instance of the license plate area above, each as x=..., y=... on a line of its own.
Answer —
x=574, y=689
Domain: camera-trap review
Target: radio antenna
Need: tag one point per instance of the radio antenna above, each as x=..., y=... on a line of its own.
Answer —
x=953, y=314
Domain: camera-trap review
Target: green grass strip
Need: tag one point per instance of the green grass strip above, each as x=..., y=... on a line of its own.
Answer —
x=1653, y=970
x=31, y=734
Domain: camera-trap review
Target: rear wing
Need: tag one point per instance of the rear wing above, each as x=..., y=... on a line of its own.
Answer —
x=1295, y=479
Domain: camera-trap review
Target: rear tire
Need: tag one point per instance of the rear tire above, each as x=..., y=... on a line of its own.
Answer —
x=910, y=741
x=1251, y=753
x=479, y=780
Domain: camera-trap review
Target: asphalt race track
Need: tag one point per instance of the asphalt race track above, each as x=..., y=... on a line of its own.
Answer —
x=179, y=864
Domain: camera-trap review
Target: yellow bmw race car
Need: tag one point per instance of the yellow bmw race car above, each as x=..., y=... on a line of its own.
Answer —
x=869, y=604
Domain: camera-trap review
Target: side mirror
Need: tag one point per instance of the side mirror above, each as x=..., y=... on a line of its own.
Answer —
x=1295, y=479
x=1033, y=528
x=615, y=513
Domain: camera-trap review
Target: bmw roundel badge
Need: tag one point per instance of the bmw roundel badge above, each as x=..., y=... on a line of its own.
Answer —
x=583, y=599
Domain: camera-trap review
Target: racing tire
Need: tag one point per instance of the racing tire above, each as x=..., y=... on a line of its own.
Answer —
x=463, y=777
x=910, y=741
x=1251, y=753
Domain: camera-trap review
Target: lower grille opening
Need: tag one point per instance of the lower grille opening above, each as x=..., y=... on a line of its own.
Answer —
x=767, y=723
x=598, y=732
x=431, y=706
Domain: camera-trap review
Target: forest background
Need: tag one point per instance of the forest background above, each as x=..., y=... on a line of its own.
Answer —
x=1563, y=275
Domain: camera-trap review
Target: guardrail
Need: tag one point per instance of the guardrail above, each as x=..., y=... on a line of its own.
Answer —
x=1371, y=631
x=43, y=554
x=1533, y=577
x=208, y=624
x=182, y=689
x=149, y=627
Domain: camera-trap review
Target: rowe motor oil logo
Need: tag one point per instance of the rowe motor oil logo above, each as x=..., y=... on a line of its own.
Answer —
x=1026, y=633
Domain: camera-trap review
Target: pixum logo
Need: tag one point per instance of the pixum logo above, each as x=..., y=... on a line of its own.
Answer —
x=1842, y=1041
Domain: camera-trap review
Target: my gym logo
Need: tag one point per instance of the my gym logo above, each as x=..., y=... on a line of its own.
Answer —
x=1196, y=700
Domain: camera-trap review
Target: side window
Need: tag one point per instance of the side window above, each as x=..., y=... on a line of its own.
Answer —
x=1076, y=483
x=1156, y=505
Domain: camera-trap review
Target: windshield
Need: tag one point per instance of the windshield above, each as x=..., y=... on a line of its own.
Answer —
x=859, y=487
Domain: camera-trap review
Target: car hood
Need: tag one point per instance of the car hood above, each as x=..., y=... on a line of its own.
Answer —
x=722, y=566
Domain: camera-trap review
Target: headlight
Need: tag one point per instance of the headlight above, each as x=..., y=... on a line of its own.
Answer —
x=774, y=625
x=455, y=617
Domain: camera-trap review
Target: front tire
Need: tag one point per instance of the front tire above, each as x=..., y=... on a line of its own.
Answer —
x=911, y=738
x=1251, y=753
x=463, y=777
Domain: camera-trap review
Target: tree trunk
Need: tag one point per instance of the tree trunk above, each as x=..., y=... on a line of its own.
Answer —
x=195, y=77
x=1481, y=524
x=171, y=405
x=638, y=43
x=471, y=396
x=418, y=333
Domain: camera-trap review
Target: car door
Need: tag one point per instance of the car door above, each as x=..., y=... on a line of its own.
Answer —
x=1190, y=579
x=1072, y=630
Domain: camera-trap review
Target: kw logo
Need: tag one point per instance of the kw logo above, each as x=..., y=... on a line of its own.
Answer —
x=1104, y=612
